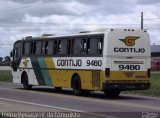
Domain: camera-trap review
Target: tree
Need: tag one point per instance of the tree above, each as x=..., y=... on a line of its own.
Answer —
x=7, y=61
x=1, y=61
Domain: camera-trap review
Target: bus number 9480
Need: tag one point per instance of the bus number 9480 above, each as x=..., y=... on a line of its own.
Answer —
x=94, y=63
x=129, y=67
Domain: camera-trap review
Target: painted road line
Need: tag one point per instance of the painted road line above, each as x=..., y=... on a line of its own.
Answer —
x=56, y=107
x=41, y=105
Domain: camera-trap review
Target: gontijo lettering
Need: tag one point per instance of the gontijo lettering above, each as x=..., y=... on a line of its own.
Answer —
x=69, y=62
x=134, y=50
x=129, y=41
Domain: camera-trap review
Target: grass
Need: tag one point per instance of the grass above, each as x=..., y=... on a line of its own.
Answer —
x=6, y=76
x=154, y=89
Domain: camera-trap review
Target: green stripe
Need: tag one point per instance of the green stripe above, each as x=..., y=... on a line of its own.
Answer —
x=37, y=71
x=44, y=71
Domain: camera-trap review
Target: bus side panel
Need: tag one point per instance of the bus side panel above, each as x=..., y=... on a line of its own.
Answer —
x=31, y=76
x=45, y=70
x=63, y=78
x=86, y=79
x=16, y=76
x=50, y=65
x=37, y=70
x=25, y=66
x=41, y=69
x=89, y=73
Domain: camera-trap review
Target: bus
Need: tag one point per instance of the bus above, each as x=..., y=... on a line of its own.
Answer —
x=107, y=60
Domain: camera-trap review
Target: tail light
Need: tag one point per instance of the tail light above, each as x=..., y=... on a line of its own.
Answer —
x=107, y=72
x=148, y=73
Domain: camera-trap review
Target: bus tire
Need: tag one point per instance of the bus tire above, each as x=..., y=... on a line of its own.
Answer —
x=112, y=93
x=24, y=81
x=76, y=85
x=58, y=89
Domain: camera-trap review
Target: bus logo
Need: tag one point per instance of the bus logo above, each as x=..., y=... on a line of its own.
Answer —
x=25, y=63
x=129, y=40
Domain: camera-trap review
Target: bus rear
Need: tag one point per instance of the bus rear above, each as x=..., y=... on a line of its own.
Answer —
x=127, y=56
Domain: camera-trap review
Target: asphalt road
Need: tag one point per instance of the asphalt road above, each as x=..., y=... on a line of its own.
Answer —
x=96, y=104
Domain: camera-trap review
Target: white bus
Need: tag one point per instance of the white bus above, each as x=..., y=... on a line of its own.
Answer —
x=109, y=60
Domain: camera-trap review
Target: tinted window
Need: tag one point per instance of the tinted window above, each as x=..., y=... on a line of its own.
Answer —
x=50, y=48
x=99, y=45
x=26, y=48
x=59, y=50
x=33, y=48
x=38, y=48
x=69, y=46
x=92, y=49
x=45, y=47
x=55, y=47
x=77, y=46
x=62, y=44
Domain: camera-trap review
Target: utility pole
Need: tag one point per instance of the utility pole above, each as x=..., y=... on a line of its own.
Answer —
x=141, y=20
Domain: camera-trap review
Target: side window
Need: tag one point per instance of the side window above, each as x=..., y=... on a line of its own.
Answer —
x=62, y=44
x=38, y=48
x=17, y=55
x=33, y=48
x=26, y=48
x=88, y=48
x=59, y=50
x=69, y=46
x=77, y=46
x=45, y=48
x=92, y=46
x=100, y=46
x=85, y=44
x=50, y=48
x=55, y=47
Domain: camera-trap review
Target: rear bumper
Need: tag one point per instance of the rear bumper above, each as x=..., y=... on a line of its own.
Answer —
x=123, y=86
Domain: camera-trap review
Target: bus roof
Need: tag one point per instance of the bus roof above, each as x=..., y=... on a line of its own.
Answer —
x=82, y=33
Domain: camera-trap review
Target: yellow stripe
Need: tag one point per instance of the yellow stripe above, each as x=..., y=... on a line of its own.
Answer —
x=49, y=62
x=50, y=65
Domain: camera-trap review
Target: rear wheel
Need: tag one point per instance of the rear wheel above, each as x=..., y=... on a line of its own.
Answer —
x=112, y=93
x=76, y=85
x=25, y=82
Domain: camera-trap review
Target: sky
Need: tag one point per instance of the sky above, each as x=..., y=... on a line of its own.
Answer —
x=21, y=18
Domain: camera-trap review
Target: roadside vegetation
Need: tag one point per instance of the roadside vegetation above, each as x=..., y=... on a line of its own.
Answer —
x=154, y=90
x=5, y=76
